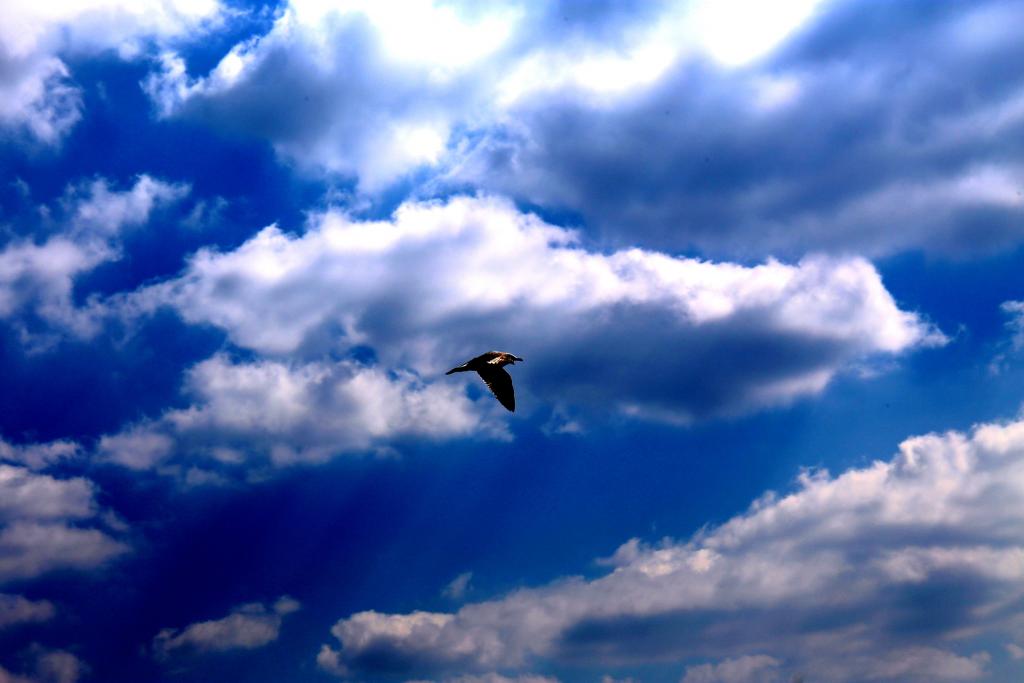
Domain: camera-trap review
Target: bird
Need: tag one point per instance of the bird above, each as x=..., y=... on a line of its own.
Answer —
x=491, y=368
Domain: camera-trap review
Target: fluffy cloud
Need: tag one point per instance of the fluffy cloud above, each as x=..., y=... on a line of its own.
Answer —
x=38, y=97
x=49, y=666
x=248, y=627
x=286, y=413
x=27, y=495
x=29, y=549
x=667, y=122
x=42, y=525
x=633, y=331
x=885, y=572
x=37, y=278
x=15, y=609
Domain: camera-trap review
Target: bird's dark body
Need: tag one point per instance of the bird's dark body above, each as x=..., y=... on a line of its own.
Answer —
x=491, y=368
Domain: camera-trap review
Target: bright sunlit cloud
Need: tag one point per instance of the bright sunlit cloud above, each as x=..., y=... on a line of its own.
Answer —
x=736, y=32
x=421, y=31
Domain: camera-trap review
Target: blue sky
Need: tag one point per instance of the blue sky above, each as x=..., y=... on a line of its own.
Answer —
x=763, y=261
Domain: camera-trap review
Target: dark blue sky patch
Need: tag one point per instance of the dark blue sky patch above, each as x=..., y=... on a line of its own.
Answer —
x=83, y=389
x=119, y=138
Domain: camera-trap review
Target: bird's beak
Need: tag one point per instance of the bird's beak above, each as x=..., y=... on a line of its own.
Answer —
x=519, y=359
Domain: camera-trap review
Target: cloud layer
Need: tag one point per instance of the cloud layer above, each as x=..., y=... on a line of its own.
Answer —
x=633, y=331
x=667, y=124
x=839, y=580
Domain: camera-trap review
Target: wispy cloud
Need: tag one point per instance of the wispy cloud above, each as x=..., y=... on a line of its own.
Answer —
x=660, y=125
x=456, y=589
x=39, y=99
x=247, y=627
x=48, y=666
x=16, y=609
x=1011, y=347
x=37, y=277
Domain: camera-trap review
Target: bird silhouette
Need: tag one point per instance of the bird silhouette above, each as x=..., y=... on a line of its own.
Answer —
x=491, y=368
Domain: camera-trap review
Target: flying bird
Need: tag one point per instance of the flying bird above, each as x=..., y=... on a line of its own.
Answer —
x=491, y=368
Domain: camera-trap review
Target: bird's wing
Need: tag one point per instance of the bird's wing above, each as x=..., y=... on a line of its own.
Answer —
x=500, y=384
x=474, y=363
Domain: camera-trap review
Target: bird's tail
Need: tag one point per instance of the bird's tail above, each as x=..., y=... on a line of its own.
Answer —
x=461, y=368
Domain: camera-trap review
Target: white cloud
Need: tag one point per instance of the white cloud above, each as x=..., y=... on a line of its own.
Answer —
x=745, y=669
x=43, y=274
x=136, y=447
x=39, y=277
x=247, y=627
x=43, y=525
x=37, y=98
x=27, y=495
x=735, y=32
x=96, y=210
x=296, y=412
x=38, y=455
x=29, y=549
x=16, y=609
x=353, y=111
x=37, y=94
x=99, y=24
x=832, y=144
x=442, y=281
x=848, y=578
